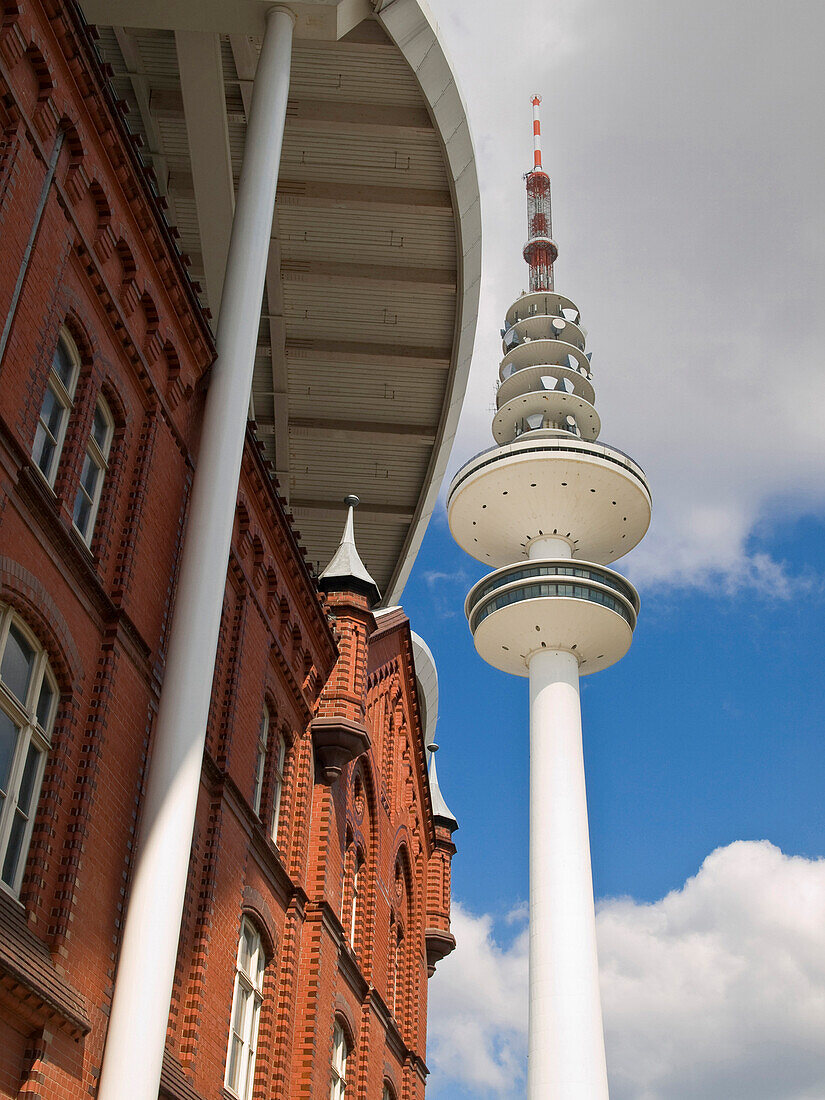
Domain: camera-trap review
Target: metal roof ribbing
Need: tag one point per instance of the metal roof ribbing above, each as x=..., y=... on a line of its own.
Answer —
x=365, y=203
x=413, y=395
x=355, y=72
x=426, y=239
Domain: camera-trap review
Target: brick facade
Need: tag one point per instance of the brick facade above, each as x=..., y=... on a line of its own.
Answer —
x=103, y=267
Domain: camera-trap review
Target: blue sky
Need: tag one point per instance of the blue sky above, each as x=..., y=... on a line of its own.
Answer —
x=710, y=730
x=684, y=145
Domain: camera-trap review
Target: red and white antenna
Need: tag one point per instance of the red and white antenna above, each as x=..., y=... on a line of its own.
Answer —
x=540, y=252
x=536, y=134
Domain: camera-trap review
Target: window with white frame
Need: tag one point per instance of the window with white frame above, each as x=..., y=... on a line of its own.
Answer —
x=340, y=1053
x=57, y=404
x=277, y=784
x=260, y=761
x=95, y=465
x=356, y=894
x=246, y=1013
x=28, y=701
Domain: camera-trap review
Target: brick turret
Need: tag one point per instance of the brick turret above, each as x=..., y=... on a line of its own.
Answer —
x=439, y=939
x=339, y=732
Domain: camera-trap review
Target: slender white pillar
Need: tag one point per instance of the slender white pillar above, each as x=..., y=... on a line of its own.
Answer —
x=566, y=1058
x=549, y=546
x=137, y=1026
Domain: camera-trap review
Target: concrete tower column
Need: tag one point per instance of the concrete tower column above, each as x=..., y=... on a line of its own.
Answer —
x=566, y=1045
x=552, y=493
x=133, y=1054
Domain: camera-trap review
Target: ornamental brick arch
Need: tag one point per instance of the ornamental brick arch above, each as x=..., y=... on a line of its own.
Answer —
x=362, y=824
x=403, y=918
x=40, y=84
x=21, y=590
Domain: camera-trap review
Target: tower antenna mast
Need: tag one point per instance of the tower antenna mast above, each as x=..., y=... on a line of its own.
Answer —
x=550, y=508
x=540, y=252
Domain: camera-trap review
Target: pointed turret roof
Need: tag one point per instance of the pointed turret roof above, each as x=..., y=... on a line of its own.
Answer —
x=441, y=811
x=346, y=570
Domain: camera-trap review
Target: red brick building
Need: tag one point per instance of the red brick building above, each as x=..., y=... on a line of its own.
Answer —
x=317, y=897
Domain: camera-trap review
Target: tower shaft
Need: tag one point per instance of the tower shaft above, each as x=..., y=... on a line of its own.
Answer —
x=548, y=509
x=566, y=1059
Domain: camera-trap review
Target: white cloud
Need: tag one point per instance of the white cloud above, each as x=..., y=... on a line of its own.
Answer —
x=478, y=1010
x=715, y=992
x=687, y=181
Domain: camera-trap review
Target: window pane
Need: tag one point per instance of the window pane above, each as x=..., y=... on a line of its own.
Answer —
x=43, y=451
x=51, y=412
x=14, y=849
x=100, y=429
x=249, y=944
x=89, y=475
x=18, y=661
x=235, y=1051
x=253, y=1038
x=44, y=703
x=24, y=796
x=259, y=778
x=82, y=512
x=63, y=364
x=8, y=739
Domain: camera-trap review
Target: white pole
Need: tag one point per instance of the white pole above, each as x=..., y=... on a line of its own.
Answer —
x=136, y=1035
x=566, y=1058
x=550, y=546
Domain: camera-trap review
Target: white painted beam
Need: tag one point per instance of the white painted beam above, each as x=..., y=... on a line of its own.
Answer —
x=204, y=107
x=245, y=62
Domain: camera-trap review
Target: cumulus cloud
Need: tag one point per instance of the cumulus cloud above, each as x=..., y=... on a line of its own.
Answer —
x=715, y=992
x=478, y=1009
x=687, y=186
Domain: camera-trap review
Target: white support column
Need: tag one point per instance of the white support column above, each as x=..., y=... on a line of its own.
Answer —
x=133, y=1054
x=566, y=1058
x=550, y=546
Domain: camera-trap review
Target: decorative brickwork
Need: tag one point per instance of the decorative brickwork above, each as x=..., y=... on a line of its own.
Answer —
x=354, y=780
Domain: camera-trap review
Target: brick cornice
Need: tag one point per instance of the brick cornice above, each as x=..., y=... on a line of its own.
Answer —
x=87, y=254
x=285, y=525
x=72, y=31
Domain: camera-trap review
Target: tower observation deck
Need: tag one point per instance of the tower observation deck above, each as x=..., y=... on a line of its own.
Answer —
x=550, y=507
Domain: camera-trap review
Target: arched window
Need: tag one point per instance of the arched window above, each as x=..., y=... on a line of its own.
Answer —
x=95, y=465
x=396, y=969
x=260, y=761
x=356, y=897
x=340, y=1053
x=279, y=758
x=57, y=403
x=28, y=700
x=388, y=1093
x=246, y=1013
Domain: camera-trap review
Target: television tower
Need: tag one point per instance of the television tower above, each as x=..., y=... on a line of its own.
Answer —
x=549, y=508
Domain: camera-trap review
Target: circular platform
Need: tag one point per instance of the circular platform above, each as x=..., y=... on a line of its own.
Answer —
x=592, y=494
x=551, y=352
x=531, y=379
x=541, y=326
x=552, y=404
x=554, y=604
x=546, y=302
